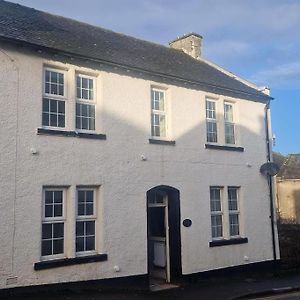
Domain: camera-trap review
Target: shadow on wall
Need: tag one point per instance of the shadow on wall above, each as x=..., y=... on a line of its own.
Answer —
x=296, y=200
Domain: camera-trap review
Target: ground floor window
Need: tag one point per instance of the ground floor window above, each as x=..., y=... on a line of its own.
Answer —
x=85, y=222
x=53, y=222
x=225, y=213
x=54, y=232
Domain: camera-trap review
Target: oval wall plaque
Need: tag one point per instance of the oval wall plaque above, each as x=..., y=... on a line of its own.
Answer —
x=187, y=222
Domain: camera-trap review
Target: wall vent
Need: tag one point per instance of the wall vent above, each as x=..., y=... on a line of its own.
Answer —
x=11, y=280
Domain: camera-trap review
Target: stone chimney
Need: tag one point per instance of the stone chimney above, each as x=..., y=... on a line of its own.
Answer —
x=189, y=43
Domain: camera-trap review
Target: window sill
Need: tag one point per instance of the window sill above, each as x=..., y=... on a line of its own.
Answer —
x=162, y=142
x=226, y=148
x=233, y=241
x=57, y=132
x=56, y=263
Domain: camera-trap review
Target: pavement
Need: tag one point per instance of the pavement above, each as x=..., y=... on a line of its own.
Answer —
x=221, y=288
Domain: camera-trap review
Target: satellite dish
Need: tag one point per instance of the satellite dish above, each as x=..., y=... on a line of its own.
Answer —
x=269, y=168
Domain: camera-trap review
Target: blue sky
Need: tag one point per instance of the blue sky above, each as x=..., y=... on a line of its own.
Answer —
x=257, y=40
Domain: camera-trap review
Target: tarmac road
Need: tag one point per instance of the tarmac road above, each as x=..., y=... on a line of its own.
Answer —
x=289, y=296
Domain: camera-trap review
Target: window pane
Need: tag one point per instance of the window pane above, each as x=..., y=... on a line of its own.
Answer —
x=61, y=121
x=84, y=83
x=53, y=76
x=78, y=82
x=53, y=120
x=78, y=109
x=90, y=227
x=90, y=243
x=84, y=109
x=79, y=244
x=210, y=110
x=53, y=106
x=232, y=199
x=45, y=119
x=216, y=226
x=78, y=122
x=61, y=107
x=58, y=230
x=92, y=111
x=58, y=196
x=81, y=196
x=78, y=93
x=89, y=209
x=45, y=105
x=91, y=124
x=81, y=211
x=61, y=78
x=229, y=133
x=211, y=128
x=79, y=228
x=234, y=224
x=46, y=231
x=84, y=122
x=89, y=196
x=58, y=211
x=48, y=197
x=48, y=210
x=61, y=90
x=228, y=112
x=46, y=248
x=162, y=124
x=47, y=76
x=215, y=200
x=58, y=246
x=91, y=94
x=85, y=94
x=53, y=89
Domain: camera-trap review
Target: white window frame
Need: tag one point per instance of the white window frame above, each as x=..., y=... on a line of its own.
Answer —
x=217, y=213
x=87, y=218
x=234, y=212
x=86, y=101
x=159, y=112
x=232, y=123
x=53, y=220
x=211, y=120
x=54, y=96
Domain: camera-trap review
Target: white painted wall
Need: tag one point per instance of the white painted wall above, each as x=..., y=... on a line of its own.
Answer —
x=123, y=113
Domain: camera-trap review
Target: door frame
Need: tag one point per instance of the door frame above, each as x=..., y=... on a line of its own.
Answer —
x=173, y=232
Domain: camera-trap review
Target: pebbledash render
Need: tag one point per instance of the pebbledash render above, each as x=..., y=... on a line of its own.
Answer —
x=121, y=158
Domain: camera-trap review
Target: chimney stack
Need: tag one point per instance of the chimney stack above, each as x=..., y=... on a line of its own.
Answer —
x=189, y=43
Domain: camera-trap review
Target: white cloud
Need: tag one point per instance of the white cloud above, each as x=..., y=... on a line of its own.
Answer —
x=281, y=76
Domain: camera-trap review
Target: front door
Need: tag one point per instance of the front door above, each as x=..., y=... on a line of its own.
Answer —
x=164, y=242
x=158, y=236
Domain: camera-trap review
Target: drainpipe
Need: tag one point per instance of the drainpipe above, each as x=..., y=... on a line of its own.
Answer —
x=270, y=180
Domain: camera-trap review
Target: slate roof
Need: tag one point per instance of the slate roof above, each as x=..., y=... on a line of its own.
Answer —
x=290, y=168
x=50, y=32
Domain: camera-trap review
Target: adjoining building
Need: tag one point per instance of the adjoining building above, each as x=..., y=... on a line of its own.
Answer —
x=288, y=190
x=122, y=159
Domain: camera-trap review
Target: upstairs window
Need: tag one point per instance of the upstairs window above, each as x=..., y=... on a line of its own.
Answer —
x=85, y=102
x=229, y=124
x=158, y=115
x=53, y=114
x=211, y=122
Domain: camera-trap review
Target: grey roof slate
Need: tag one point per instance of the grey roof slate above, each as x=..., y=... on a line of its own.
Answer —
x=36, y=28
x=290, y=168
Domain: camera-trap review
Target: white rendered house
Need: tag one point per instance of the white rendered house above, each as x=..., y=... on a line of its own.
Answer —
x=121, y=158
